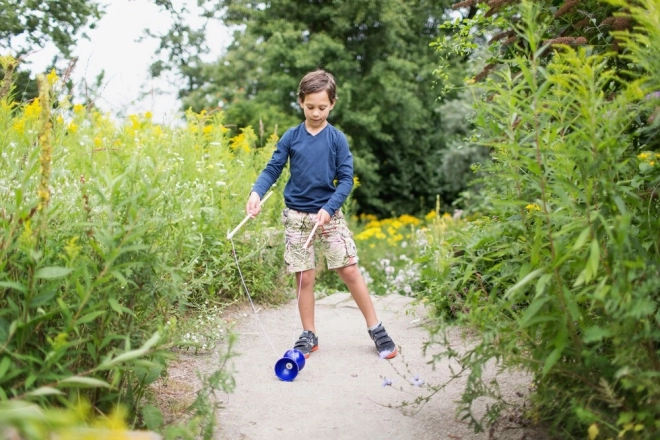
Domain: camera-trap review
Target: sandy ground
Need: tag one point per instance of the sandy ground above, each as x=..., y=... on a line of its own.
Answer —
x=339, y=394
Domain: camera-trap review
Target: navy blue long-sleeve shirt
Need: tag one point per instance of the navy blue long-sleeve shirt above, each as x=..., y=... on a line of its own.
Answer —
x=315, y=163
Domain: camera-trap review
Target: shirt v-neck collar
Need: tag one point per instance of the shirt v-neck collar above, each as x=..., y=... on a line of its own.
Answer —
x=318, y=132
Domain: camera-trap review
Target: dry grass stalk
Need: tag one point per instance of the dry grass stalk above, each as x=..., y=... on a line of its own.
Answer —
x=496, y=5
x=502, y=35
x=484, y=73
x=566, y=8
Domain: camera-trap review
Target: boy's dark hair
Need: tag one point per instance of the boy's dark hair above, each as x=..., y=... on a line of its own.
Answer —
x=318, y=81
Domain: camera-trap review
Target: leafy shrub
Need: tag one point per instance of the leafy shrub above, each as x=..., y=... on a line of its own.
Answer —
x=109, y=231
x=560, y=276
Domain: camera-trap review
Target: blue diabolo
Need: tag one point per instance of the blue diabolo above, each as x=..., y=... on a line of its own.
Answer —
x=287, y=367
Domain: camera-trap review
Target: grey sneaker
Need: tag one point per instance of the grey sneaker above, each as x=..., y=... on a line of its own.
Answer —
x=307, y=343
x=384, y=344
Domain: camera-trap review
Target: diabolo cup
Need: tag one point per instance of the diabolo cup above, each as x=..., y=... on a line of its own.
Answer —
x=286, y=369
x=297, y=356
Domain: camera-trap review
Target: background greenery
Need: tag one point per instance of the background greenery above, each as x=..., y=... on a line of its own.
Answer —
x=558, y=269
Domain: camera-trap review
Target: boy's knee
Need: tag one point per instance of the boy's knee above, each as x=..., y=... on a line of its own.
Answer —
x=350, y=271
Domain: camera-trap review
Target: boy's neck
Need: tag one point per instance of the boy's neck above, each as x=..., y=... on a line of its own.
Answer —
x=316, y=129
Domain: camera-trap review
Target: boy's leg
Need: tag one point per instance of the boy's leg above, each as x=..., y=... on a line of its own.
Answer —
x=297, y=227
x=354, y=280
x=341, y=255
x=305, y=290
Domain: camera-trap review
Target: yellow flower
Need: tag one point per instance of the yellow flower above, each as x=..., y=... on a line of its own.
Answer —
x=409, y=220
x=652, y=163
x=19, y=126
x=148, y=116
x=157, y=131
x=78, y=108
x=72, y=128
x=642, y=156
x=368, y=217
x=135, y=121
x=52, y=77
x=33, y=109
x=532, y=207
x=431, y=215
x=239, y=141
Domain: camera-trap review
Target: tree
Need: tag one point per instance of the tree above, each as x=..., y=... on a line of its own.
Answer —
x=26, y=25
x=39, y=22
x=378, y=50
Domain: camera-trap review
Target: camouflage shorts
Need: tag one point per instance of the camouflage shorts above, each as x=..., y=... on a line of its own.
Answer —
x=333, y=240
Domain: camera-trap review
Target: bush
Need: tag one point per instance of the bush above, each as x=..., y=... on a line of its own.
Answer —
x=109, y=231
x=561, y=274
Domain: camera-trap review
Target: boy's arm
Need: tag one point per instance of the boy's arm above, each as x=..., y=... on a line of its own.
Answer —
x=274, y=168
x=344, y=176
x=268, y=176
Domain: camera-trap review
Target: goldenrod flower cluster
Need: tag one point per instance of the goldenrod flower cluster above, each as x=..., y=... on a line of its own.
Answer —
x=391, y=230
x=244, y=140
x=649, y=157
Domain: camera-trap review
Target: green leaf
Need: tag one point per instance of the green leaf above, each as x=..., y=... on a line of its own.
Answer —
x=531, y=311
x=153, y=418
x=53, y=272
x=12, y=285
x=542, y=283
x=114, y=304
x=594, y=258
x=4, y=366
x=560, y=342
x=90, y=317
x=83, y=382
x=30, y=380
x=44, y=391
x=133, y=354
x=522, y=283
x=596, y=334
x=582, y=238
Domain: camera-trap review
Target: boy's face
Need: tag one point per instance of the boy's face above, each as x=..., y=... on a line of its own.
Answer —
x=316, y=107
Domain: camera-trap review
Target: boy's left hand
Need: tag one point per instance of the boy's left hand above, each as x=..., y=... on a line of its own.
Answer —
x=322, y=218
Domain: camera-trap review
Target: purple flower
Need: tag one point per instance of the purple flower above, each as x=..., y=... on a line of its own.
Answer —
x=387, y=382
x=653, y=95
x=417, y=381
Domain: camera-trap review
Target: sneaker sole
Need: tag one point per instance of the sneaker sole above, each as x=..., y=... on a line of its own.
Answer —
x=316, y=347
x=391, y=355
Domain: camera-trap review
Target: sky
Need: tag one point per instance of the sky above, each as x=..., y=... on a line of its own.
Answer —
x=113, y=47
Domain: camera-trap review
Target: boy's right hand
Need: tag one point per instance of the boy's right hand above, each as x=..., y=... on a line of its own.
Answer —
x=253, y=207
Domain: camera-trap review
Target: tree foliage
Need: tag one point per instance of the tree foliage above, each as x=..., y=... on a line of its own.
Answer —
x=378, y=50
x=38, y=22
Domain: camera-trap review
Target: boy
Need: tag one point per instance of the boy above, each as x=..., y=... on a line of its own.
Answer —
x=318, y=155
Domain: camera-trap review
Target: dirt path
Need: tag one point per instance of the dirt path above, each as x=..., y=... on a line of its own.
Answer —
x=339, y=394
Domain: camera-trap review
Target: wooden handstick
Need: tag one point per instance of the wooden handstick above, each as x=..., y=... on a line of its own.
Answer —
x=247, y=217
x=316, y=225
